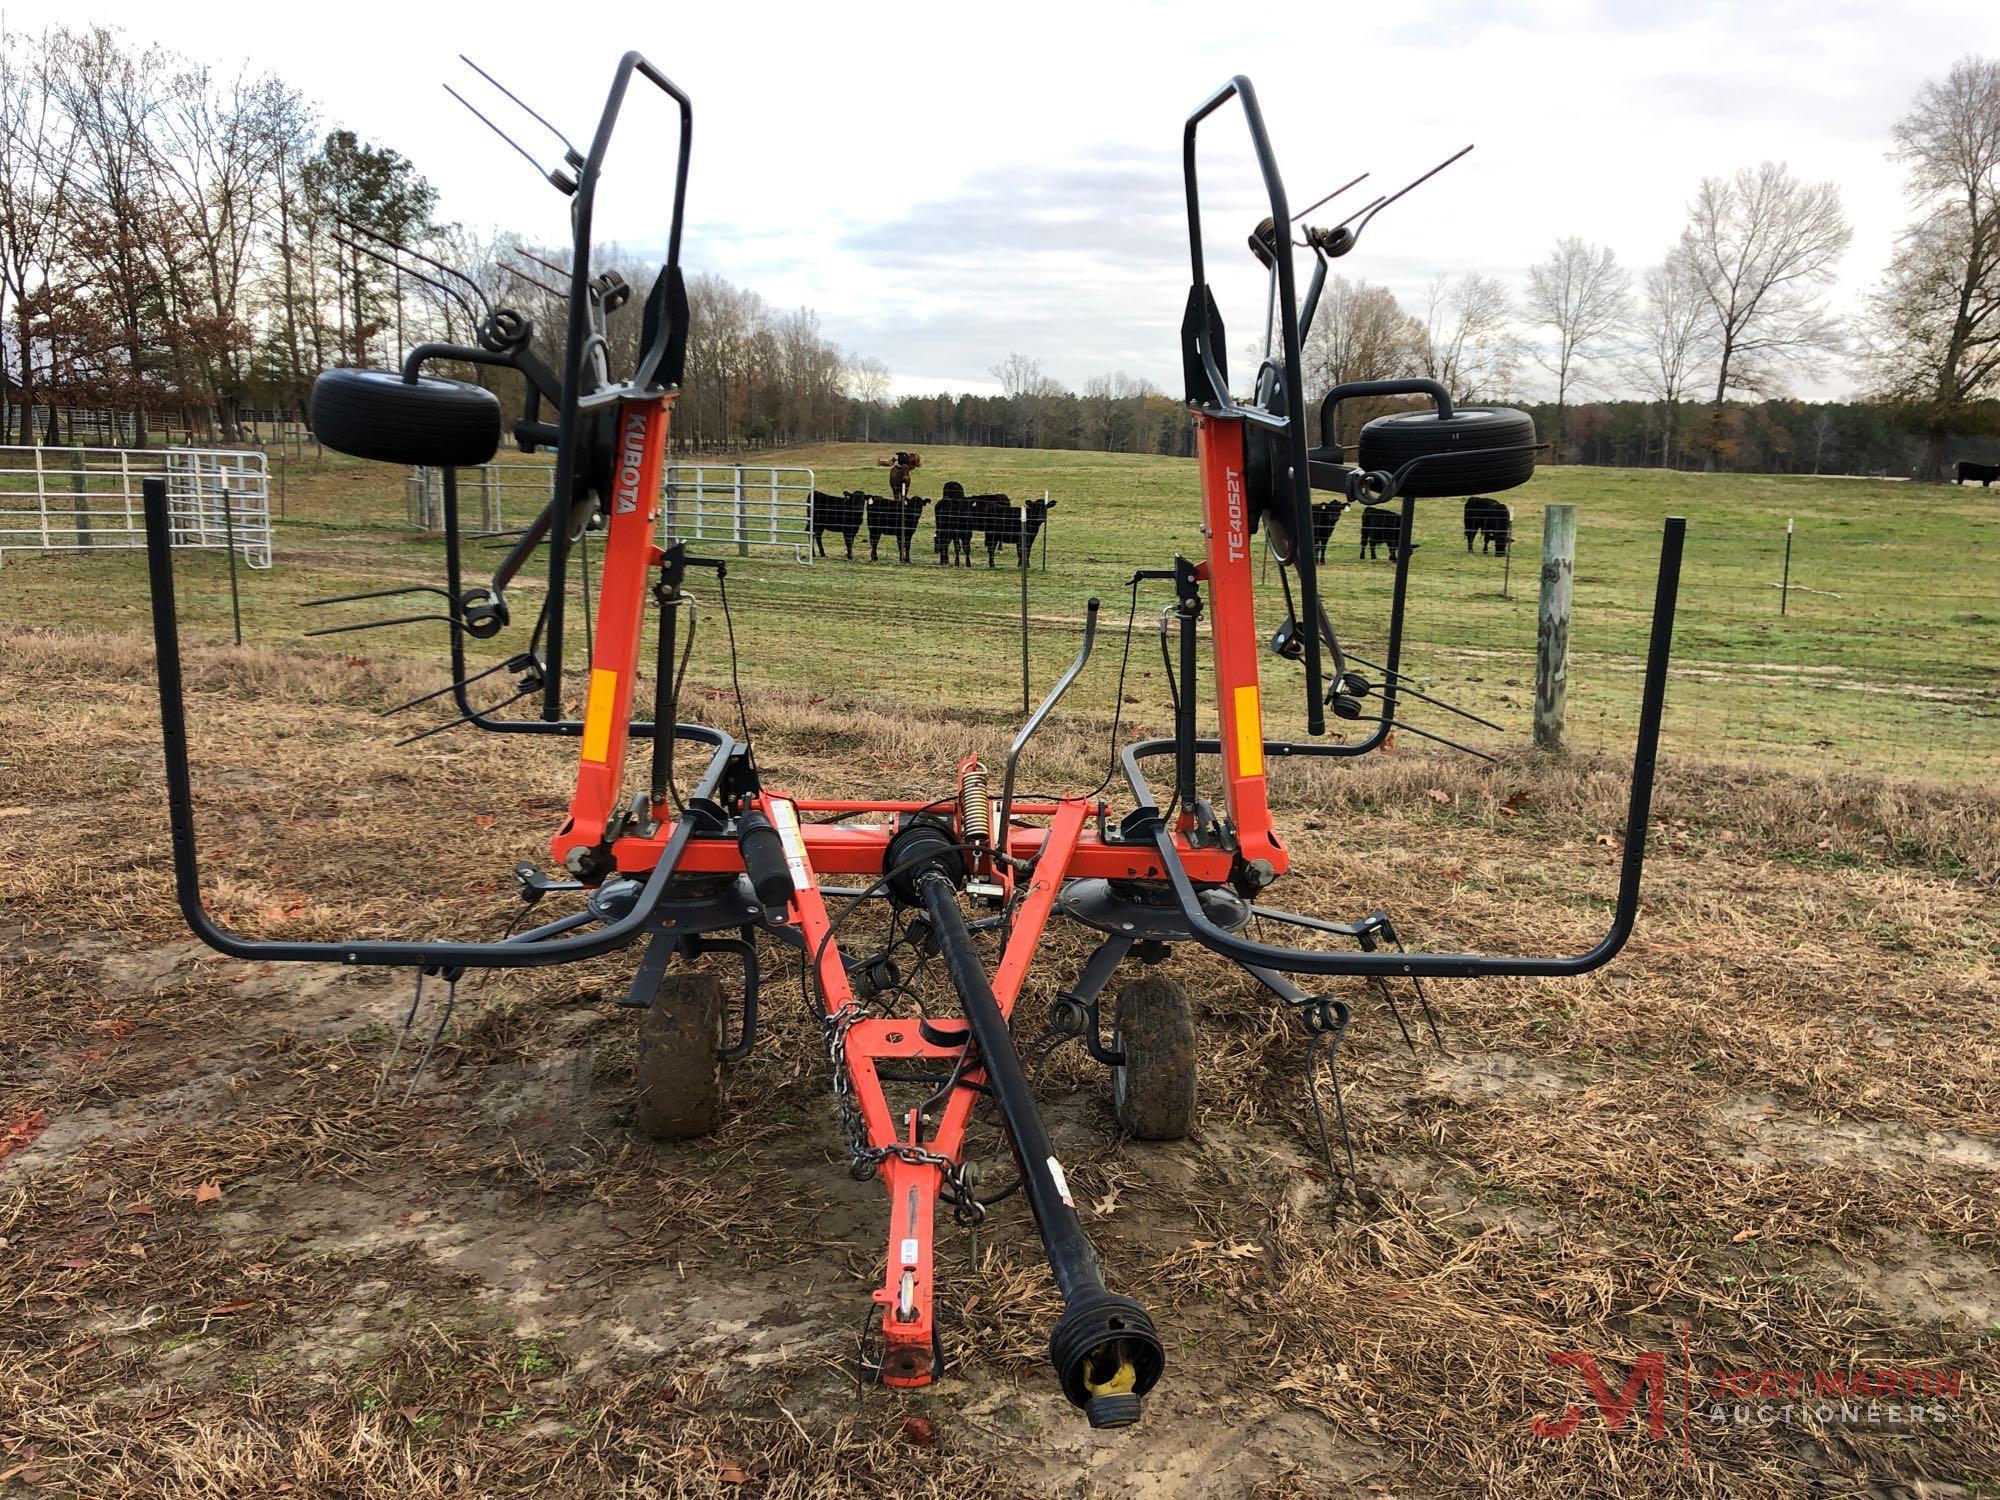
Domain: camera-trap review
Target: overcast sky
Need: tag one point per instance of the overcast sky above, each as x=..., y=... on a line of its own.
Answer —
x=947, y=184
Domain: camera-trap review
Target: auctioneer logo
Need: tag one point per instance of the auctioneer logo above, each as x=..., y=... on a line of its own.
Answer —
x=1903, y=1399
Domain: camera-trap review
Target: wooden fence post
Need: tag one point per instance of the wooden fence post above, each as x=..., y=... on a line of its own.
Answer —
x=1552, y=624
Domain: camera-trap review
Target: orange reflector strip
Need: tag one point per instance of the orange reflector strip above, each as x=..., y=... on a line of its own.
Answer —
x=1249, y=732
x=597, y=714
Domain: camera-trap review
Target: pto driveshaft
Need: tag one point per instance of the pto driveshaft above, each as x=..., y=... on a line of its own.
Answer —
x=1104, y=1349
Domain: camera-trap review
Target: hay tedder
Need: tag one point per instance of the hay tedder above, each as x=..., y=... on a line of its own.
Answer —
x=730, y=864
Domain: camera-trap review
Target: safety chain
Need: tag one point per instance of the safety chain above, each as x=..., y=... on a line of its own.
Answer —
x=864, y=1159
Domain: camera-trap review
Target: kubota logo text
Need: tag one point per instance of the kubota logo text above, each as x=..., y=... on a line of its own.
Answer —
x=631, y=455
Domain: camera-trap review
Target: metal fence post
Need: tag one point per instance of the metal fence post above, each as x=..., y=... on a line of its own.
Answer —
x=229, y=542
x=1552, y=624
x=81, y=484
x=1785, y=587
x=736, y=494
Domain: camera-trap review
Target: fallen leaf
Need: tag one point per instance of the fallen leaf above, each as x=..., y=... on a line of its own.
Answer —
x=919, y=1430
x=1741, y=1235
x=208, y=1192
x=1439, y=794
x=230, y=1309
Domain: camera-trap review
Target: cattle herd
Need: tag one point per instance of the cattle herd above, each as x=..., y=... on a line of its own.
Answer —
x=958, y=519
x=957, y=516
x=1488, y=522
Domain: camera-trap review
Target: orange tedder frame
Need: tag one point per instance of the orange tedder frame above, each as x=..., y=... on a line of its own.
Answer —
x=1065, y=847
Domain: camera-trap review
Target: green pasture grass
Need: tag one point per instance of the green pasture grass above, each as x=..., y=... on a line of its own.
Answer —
x=1886, y=658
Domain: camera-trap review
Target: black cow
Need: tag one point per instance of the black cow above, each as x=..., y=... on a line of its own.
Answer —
x=837, y=513
x=958, y=516
x=895, y=519
x=1003, y=525
x=1491, y=522
x=1984, y=473
x=1326, y=516
x=1379, y=528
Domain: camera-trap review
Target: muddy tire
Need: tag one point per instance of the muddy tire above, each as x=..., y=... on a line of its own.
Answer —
x=678, y=1077
x=1153, y=1090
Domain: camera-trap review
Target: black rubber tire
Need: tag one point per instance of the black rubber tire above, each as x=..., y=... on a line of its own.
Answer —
x=1153, y=1090
x=678, y=1076
x=376, y=414
x=1392, y=441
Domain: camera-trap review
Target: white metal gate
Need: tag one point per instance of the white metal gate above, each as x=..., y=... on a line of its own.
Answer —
x=750, y=507
x=491, y=497
x=82, y=499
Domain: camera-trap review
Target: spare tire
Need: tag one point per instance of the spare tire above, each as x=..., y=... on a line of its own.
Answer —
x=1457, y=450
x=377, y=414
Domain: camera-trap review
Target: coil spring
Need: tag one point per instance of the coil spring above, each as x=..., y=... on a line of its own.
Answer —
x=975, y=809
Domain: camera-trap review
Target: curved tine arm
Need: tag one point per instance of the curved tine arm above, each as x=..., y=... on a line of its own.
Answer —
x=421, y=955
x=1293, y=421
x=1453, y=965
x=1035, y=722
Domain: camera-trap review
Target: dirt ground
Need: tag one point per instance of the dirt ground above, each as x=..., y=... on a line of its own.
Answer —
x=1765, y=1140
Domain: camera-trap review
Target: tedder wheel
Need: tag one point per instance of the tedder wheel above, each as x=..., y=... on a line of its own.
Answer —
x=678, y=1074
x=1153, y=1089
x=377, y=414
x=1463, y=469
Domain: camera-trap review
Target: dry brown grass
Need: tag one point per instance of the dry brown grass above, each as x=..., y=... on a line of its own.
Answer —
x=1769, y=1129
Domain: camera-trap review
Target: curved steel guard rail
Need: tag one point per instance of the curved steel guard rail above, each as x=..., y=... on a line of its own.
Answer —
x=1292, y=423
x=1034, y=723
x=1453, y=965
x=509, y=954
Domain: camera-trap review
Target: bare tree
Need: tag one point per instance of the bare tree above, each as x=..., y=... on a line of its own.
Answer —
x=1675, y=330
x=1030, y=393
x=112, y=98
x=1361, y=333
x=1933, y=329
x=1468, y=341
x=1582, y=296
x=868, y=385
x=1764, y=245
x=37, y=157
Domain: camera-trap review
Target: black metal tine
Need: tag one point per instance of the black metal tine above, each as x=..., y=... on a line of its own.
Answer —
x=1389, y=931
x=547, y=265
x=409, y=1020
x=1370, y=204
x=555, y=180
x=1419, y=182
x=385, y=624
x=444, y=1020
x=430, y=260
x=1426, y=734
x=411, y=588
x=440, y=692
x=1403, y=677
x=468, y=718
x=1328, y=198
x=1313, y=1045
x=575, y=156
x=411, y=272
x=514, y=270
x=1389, y=998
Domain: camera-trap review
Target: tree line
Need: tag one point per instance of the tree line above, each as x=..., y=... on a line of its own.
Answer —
x=178, y=239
